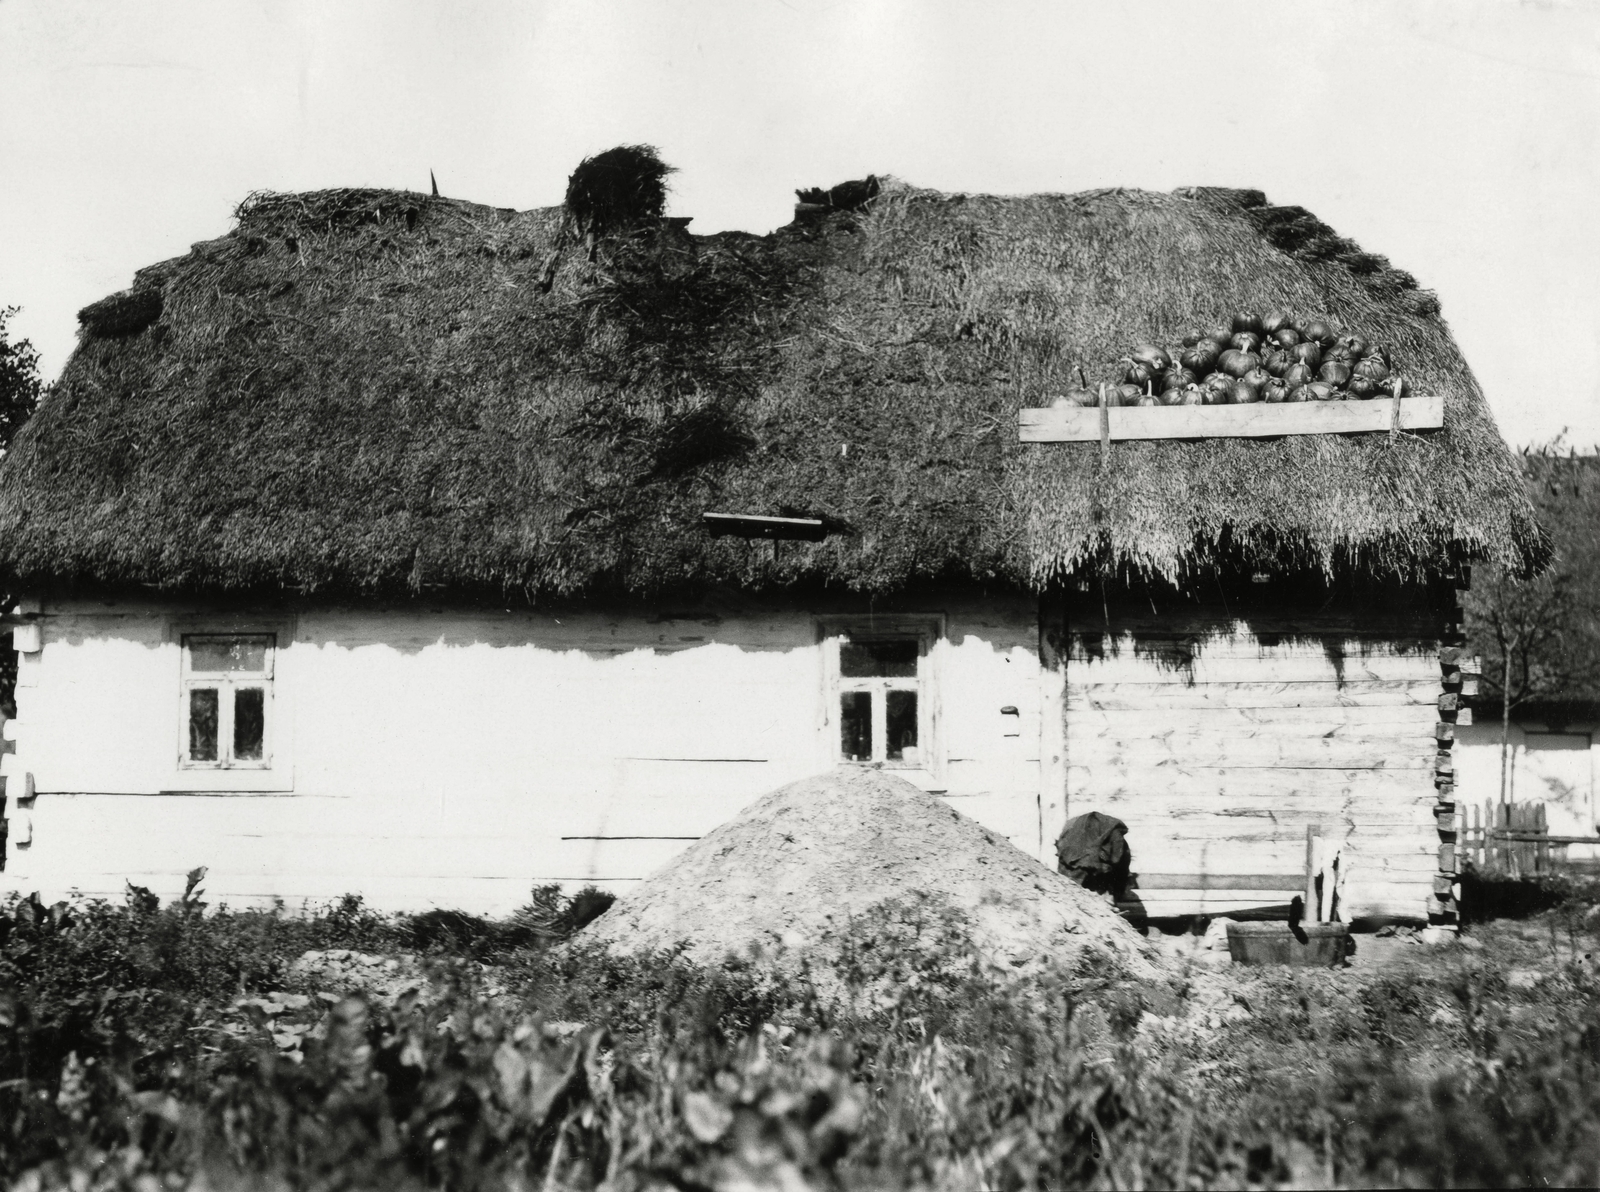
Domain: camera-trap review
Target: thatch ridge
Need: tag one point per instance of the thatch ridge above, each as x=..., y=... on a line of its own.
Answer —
x=378, y=393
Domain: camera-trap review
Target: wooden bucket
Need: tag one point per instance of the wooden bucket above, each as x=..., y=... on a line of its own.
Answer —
x=1325, y=945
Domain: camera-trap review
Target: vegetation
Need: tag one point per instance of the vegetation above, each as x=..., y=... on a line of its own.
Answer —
x=21, y=390
x=1539, y=637
x=150, y=1046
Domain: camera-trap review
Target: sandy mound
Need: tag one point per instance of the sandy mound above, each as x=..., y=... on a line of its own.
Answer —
x=806, y=858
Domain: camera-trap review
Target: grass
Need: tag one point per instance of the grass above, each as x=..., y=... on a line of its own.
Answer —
x=149, y=1046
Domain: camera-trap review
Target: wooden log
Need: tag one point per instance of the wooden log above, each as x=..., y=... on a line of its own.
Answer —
x=1444, y=886
x=1291, y=883
x=1449, y=703
x=1447, y=857
x=1314, y=721
x=1106, y=424
x=1387, y=695
x=1269, y=752
x=1444, y=733
x=1248, y=782
x=1085, y=668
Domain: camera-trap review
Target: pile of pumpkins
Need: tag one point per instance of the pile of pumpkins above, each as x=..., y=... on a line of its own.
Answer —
x=1255, y=359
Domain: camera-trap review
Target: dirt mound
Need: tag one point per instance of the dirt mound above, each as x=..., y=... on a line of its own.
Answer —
x=797, y=865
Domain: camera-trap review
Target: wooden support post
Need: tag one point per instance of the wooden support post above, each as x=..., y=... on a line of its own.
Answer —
x=1313, y=837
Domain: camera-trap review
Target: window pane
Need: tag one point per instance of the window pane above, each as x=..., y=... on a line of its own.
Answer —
x=855, y=725
x=202, y=724
x=228, y=655
x=878, y=660
x=900, y=716
x=249, y=723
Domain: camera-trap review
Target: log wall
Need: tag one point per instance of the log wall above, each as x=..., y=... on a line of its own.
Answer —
x=1218, y=735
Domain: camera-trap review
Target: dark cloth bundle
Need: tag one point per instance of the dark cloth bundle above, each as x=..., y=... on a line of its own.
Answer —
x=1093, y=851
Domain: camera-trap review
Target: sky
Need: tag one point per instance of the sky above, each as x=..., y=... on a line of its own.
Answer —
x=1461, y=138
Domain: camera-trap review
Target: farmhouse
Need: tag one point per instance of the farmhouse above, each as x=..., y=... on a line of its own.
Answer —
x=396, y=544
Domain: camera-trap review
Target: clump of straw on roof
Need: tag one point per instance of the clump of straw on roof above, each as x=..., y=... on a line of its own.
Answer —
x=620, y=188
x=124, y=313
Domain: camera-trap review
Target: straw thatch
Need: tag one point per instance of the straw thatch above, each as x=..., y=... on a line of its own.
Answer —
x=370, y=392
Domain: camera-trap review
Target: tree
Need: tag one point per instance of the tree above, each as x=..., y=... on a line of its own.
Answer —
x=21, y=391
x=1539, y=638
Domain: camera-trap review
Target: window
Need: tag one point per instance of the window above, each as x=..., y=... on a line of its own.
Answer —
x=880, y=692
x=227, y=701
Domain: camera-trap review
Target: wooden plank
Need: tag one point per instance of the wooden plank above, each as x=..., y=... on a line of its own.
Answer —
x=1079, y=425
x=1317, y=693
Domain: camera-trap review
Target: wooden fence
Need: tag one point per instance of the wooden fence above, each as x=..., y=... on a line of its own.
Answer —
x=1513, y=838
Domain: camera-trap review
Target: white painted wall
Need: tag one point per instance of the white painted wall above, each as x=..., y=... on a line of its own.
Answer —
x=437, y=757
x=1559, y=769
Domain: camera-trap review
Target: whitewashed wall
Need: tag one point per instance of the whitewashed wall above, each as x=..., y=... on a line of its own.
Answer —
x=1559, y=769
x=435, y=757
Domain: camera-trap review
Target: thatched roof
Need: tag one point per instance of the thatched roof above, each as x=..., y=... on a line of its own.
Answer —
x=373, y=392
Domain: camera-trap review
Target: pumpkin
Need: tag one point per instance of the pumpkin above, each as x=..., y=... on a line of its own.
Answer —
x=1308, y=353
x=1276, y=361
x=1199, y=358
x=1147, y=399
x=1190, y=395
x=1243, y=394
x=1154, y=357
x=1318, y=332
x=1177, y=378
x=1236, y=363
x=1361, y=388
x=1136, y=372
x=1334, y=373
x=1354, y=344
x=1191, y=338
x=1372, y=369
x=1245, y=341
x=1220, y=335
x=1128, y=394
x=1285, y=337
x=1381, y=351
x=1298, y=393
x=1216, y=388
x=1299, y=374
x=1250, y=323
x=1320, y=391
x=1275, y=322
x=1256, y=377
x=1338, y=354
x=1274, y=391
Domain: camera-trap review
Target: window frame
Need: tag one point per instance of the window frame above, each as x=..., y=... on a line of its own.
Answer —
x=927, y=630
x=229, y=682
x=274, y=774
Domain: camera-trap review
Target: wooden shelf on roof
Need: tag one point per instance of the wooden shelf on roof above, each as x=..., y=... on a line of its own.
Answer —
x=1259, y=421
